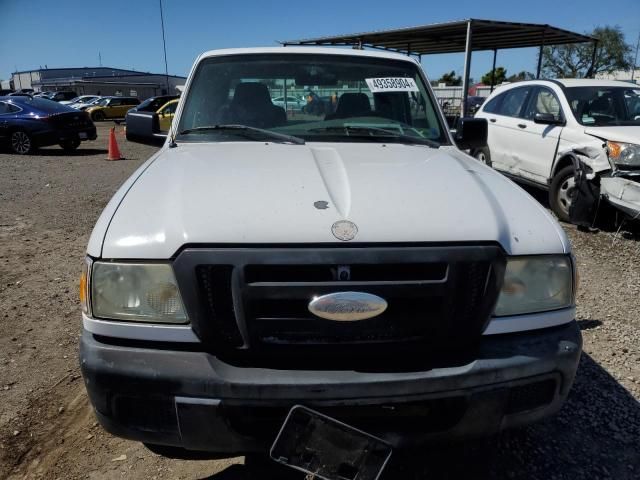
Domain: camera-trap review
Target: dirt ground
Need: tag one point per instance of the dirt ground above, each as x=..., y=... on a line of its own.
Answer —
x=48, y=204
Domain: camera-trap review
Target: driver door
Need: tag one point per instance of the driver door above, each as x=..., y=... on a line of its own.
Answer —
x=113, y=109
x=539, y=142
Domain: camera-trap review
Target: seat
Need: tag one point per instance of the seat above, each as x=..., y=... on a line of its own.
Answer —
x=602, y=105
x=351, y=105
x=251, y=105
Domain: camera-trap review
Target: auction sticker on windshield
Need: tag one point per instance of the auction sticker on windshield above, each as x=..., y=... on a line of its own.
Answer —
x=389, y=84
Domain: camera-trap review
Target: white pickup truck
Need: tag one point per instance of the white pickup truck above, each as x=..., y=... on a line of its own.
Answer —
x=351, y=259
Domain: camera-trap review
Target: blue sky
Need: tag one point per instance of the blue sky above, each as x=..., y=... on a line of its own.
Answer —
x=127, y=32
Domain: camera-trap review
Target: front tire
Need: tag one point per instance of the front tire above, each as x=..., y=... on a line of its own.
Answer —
x=483, y=155
x=21, y=143
x=561, y=192
x=98, y=117
x=70, y=145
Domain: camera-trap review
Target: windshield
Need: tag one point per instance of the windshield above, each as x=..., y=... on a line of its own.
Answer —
x=102, y=102
x=342, y=98
x=605, y=106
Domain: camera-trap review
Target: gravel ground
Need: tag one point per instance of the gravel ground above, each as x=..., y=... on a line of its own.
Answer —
x=48, y=205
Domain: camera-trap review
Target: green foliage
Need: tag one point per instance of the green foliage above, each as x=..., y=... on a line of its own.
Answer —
x=450, y=79
x=518, y=77
x=574, y=61
x=500, y=76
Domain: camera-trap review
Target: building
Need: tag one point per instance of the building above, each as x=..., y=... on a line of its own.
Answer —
x=97, y=81
x=624, y=75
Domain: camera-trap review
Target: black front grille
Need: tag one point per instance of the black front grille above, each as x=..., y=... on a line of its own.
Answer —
x=251, y=305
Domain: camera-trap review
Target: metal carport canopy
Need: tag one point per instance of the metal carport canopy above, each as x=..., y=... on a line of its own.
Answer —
x=451, y=37
x=455, y=37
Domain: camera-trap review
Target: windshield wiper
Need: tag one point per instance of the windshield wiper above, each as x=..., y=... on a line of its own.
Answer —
x=250, y=132
x=376, y=132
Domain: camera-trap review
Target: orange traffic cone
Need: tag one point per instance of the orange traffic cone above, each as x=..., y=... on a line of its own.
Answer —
x=114, y=151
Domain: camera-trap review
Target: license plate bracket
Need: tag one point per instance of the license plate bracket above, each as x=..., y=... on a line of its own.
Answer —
x=327, y=448
x=83, y=135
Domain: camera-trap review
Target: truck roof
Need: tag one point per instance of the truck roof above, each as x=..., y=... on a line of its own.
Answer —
x=310, y=50
x=590, y=82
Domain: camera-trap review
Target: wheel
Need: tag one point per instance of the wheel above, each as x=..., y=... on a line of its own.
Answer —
x=561, y=192
x=97, y=116
x=483, y=155
x=70, y=145
x=117, y=122
x=21, y=143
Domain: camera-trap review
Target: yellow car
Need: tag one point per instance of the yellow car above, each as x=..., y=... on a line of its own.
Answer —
x=166, y=113
x=112, y=107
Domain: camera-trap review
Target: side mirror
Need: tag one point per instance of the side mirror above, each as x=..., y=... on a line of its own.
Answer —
x=471, y=133
x=144, y=127
x=547, y=119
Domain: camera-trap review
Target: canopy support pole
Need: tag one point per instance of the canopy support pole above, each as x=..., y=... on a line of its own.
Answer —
x=540, y=52
x=591, y=73
x=493, y=70
x=539, y=61
x=467, y=70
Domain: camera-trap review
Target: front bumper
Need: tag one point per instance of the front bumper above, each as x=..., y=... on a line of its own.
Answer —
x=622, y=193
x=191, y=399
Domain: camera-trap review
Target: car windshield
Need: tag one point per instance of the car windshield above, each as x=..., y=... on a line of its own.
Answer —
x=102, y=102
x=344, y=98
x=605, y=106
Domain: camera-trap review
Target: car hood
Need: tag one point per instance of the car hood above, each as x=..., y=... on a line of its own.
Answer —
x=265, y=193
x=627, y=134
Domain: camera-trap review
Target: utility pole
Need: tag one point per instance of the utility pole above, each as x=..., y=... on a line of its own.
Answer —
x=164, y=46
x=100, y=58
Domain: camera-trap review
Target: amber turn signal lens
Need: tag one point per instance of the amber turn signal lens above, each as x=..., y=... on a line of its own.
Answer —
x=83, y=289
x=615, y=149
x=84, y=285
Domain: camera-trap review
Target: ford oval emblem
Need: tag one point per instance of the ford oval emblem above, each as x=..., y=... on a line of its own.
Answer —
x=344, y=230
x=347, y=306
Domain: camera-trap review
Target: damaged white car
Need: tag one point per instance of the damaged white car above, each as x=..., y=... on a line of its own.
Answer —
x=578, y=138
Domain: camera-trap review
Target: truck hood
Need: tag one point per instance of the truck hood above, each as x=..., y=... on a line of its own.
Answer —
x=264, y=193
x=627, y=134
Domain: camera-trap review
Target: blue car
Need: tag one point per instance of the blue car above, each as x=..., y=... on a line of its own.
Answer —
x=27, y=123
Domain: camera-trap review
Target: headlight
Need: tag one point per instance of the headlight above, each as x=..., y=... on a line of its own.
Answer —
x=536, y=284
x=136, y=292
x=624, y=154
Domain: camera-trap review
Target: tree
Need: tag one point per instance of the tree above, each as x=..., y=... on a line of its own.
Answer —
x=500, y=76
x=574, y=60
x=518, y=77
x=450, y=79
